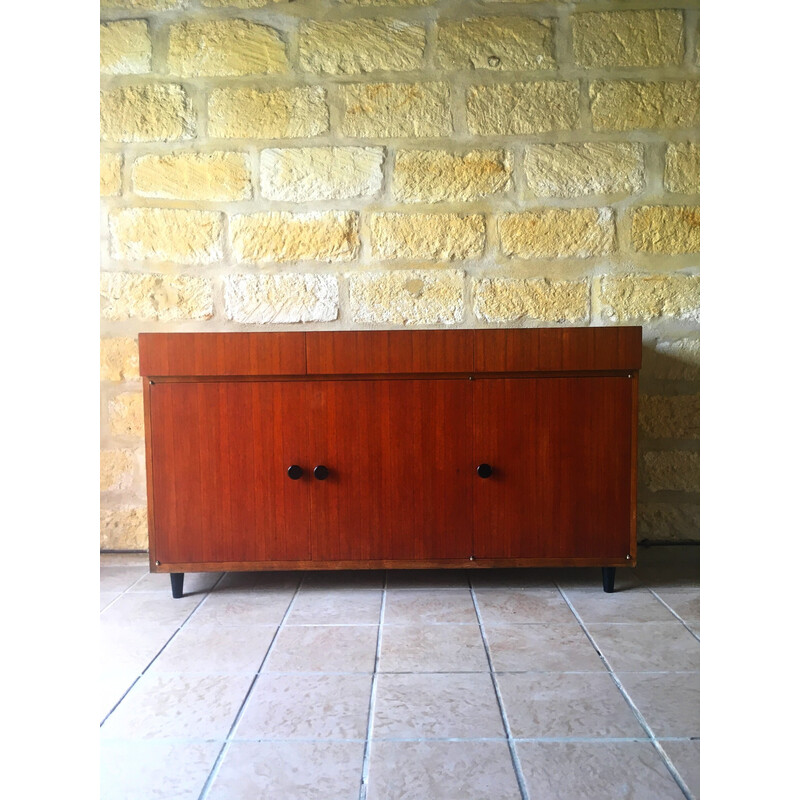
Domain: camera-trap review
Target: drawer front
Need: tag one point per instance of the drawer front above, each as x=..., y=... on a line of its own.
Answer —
x=389, y=352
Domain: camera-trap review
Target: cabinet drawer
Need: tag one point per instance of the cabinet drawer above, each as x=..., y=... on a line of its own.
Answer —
x=387, y=352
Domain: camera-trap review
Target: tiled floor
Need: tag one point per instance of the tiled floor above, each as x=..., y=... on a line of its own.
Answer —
x=452, y=685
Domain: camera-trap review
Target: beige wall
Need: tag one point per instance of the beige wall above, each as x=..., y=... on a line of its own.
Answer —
x=340, y=164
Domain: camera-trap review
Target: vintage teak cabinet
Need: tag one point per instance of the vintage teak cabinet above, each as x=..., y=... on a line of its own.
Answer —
x=390, y=449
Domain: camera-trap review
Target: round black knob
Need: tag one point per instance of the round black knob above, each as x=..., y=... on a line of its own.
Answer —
x=295, y=472
x=484, y=470
x=320, y=472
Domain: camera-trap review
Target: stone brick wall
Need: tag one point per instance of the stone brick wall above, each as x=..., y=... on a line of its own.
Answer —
x=339, y=164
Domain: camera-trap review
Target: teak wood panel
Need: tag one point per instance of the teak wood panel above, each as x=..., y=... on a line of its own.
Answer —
x=560, y=449
x=221, y=354
x=400, y=483
x=387, y=352
x=558, y=349
x=220, y=452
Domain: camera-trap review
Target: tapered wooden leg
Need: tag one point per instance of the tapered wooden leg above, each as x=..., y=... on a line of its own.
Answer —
x=609, y=573
x=176, y=579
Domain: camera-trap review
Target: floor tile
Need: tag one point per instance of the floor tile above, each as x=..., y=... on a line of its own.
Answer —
x=259, y=581
x=522, y=605
x=142, y=609
x=542, y=648
x=307, y=706
x=345, y=579
x=685, y=756
x=111, y=688
x=432, y=648
x=106, y=598
x=635, y=605
x=127, y=649
x=316, y=606
x=193, y=583
x=426, y=579
x=167, y=706
x=596, y=771
x=289, y=771
x=516, y=577
x=326, y=648
x=429, y=606
x=647, y=647
x=441, y=770
x=207, y=649
x=669, y=701
x=436, y=706
x=120, y=578
x=591, y=578
x=544, y=705
x=155, y=770
x=243, y=608
x=684, y=602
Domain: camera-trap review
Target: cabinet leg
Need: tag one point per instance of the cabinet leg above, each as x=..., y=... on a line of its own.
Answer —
x=176, y=579
x=609, y=573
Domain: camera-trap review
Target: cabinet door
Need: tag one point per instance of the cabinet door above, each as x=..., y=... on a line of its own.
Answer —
x=220, y=454
x=398, y=454
x=560, y=449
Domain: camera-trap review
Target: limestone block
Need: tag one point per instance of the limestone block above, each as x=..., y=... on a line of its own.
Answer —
x=669, y=230
x=408, y=297
x=321, y=173
x=119, y=359
x=519, y=108
x=577, y=170
x=110, y=174
x=381, y=110
x=682, y=168
x=126, y=295
x=668, y=522
x=241, y=113
x=496, y=43
x=432, y=176
x=193, y=176
x=511, y=299
x=279, y=236
x=144, y=5
x=146, y=113
x=629, y=298
x=628, y=38
x=184, y=236
x=630, y=105
x=263, y=299
x=125, y=47
x=672, y=470
x=672, y=417
x=350, y=47
x=123, y=529
x=557, y=233
x=225, y=47
x=126, y=414
x=435, y=237
x=117, y=469
x=673, y=360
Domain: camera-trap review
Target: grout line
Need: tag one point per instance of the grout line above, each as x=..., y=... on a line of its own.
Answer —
x=512, y=747
x=638, y=714
x=373, y=696
x=161, y=649
x=675, y=614
x=226, y=744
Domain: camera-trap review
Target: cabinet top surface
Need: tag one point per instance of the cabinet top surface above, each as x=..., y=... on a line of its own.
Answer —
x=389, y=352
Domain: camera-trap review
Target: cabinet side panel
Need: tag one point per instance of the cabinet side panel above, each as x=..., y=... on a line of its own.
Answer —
x=220, y=455
x=560, y=449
